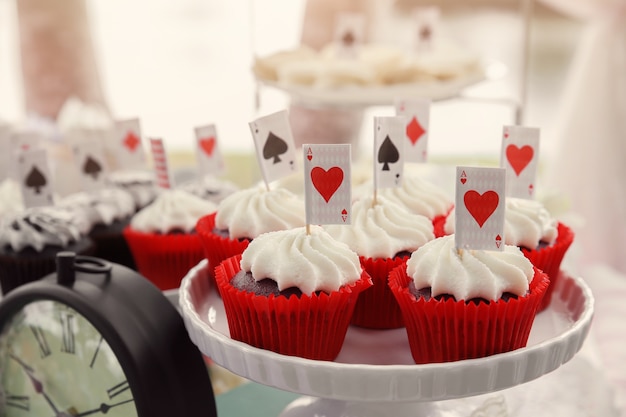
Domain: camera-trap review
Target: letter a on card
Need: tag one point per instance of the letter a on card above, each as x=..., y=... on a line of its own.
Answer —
x=479, y=208
x=327, y=183
x=274, y=145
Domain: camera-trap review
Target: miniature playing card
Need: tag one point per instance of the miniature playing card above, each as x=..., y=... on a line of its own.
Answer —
x=388, y=151
x=426, y=20
x=417, y=113
x=349, y=33
x=479, y=208
x=208, y=155
x=161, y=168
x=34, y=177
x=520, y=154
x=6, y=153
x=127, y=146
x=89, y=158
x=327, y=183
x=274, y=145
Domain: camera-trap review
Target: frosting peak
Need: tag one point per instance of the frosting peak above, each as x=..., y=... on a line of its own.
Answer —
x=467, y=274
x=311, y=262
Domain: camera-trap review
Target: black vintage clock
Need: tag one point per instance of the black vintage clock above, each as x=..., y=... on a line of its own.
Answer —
x=97, y=339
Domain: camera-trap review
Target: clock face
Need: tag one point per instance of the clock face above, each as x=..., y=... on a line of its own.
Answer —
x=53, y=362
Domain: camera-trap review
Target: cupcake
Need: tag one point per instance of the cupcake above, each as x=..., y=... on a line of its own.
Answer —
x=243, y=216
x=30, y=240
x=162, y=237
x=210, y=188
x=292, y=292
x=463, y=304
x=418, y=196
x=140, y=184
x=542, y=239
x=109, y=211
x=384, y=235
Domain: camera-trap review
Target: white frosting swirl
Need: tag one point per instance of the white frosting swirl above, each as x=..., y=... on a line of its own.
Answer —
x=311, y=262
x=526, y=223
x=39, y=227
x=11, y=201
x=210, y=188
x=467, y=274
x=383, y=229
x=416, y=195
x=140, y=184
x=253, y=211
x=172, y=210
x=103, y=206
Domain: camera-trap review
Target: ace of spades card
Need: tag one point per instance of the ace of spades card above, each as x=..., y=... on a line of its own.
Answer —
x=417, y=114
x=274, y=145
x=34, y=177
x=127, y=146
x=327, y=183
x=208, y=154
x=479, y=208
x=89, y=158
x=349, y=33
x=519, y=156
x=388, y=151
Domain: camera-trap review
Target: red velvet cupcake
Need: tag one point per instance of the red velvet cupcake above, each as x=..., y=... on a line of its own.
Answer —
x=465, y=304
x=163, y=240
x=292, y=292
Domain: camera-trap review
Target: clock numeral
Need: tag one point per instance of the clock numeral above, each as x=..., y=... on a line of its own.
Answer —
x=116, y=390
x=95, y=354
x=67, y=329
x=40, y=337
x=18, y=401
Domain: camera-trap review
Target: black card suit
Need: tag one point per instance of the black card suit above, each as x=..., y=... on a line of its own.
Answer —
x=36, y=180
x=92, y=167
x=388, y=153
x=348, y=39
x=274, y=147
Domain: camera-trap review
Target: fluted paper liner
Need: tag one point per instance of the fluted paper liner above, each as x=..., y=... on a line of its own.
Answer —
x=445, y=331
x=164, y=259
x=549, y=259
x=376, y=307
x=312, y=327
x=216, y=247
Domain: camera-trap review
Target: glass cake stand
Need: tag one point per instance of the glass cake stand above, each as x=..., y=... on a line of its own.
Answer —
x=374, y=374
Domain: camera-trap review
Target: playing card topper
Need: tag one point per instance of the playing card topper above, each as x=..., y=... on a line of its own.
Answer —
x=274, y=145
x=479, y=208
x=89, y=158
x=427, y=20
x=208, y=155
x=127, y=146
x=520, y=155
x=417, y=113
x=388, y=151
x=12, y=144
x=34, y=177
x=327, y=183
x=349, y=33
x=6, y=153
x=161, y=168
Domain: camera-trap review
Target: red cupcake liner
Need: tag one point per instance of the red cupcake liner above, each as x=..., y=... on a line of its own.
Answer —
x=217, y=248
x=549, y=259
x=445, y=331
x=376, y=307
x=164, y=259
x=312, y=327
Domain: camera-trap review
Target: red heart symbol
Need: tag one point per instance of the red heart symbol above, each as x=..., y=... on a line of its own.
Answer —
x=207, y=145
x=519, y=158
x=463, y=180
x=327, y=182
x=481, y=206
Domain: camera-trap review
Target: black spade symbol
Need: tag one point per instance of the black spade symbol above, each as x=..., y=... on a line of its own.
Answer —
x=92, y=167
x=36, y=180
x=388, y=153
x=274, y=147
x=348, y=38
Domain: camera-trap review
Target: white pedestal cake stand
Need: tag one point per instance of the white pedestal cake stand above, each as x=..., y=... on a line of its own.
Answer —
x=374, y=374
